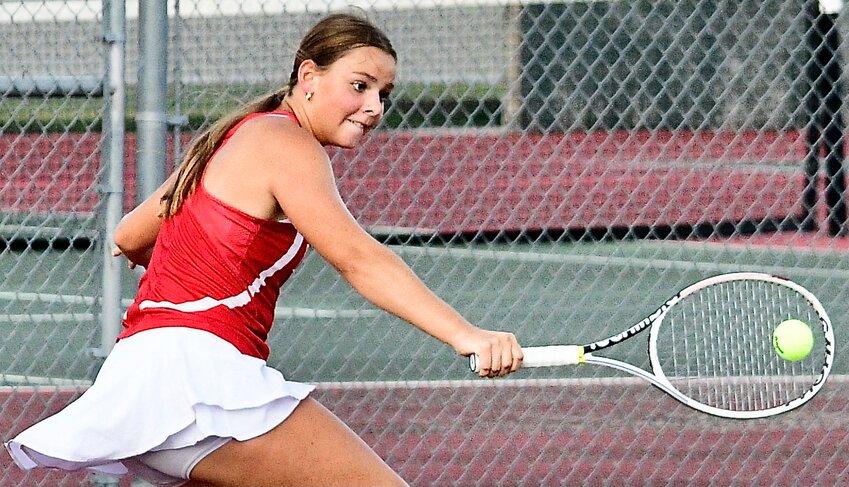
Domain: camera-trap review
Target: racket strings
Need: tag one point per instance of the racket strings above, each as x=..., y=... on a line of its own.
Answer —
x=715, y=346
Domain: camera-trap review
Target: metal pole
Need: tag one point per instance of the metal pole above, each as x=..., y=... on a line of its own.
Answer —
x=114, y=35
x=114, y=20
x=512, y=103
x=178, y=121
x=833, y=124
x=813, y=72
x=825, y=134
x=151, y=118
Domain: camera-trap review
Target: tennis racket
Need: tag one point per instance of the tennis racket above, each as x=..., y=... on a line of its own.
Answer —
x=710, y=347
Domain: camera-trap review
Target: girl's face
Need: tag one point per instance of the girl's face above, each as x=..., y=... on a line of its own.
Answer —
x=349, y=95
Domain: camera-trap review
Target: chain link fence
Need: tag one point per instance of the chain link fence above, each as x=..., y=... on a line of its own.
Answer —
x=52, y=108
x=556, y=169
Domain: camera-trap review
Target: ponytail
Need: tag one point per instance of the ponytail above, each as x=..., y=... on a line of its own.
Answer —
x=329, y=40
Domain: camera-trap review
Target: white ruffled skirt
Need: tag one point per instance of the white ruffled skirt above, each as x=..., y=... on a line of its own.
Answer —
x=160, y=389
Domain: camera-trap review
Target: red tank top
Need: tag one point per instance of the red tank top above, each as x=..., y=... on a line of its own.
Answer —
x=218, y=269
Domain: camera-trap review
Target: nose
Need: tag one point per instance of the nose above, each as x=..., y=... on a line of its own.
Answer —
x=374, y=105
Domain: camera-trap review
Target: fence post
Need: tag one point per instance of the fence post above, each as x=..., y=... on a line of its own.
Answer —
x=825, y=134
x=151, y=118
x=114, y=20
x=114, y=28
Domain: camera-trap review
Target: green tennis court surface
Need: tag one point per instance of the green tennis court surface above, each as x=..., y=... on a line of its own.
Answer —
x=416, y=403
x=545, y=293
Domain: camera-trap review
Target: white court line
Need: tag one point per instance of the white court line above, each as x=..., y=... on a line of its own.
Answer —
x=46, y=297
x=280, y=311
x=31, y=380
x=63, y=384
x=46, y=317
x=650, y=263
x=288, y=312
x=477, y=383
x=502, y=383
x=381, y=385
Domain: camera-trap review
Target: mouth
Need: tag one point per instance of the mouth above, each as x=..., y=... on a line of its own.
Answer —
x=362, y=126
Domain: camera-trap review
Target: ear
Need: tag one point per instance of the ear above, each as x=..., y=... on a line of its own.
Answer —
x=308, y=71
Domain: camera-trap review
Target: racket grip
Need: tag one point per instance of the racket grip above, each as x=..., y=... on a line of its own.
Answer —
x=550, y=356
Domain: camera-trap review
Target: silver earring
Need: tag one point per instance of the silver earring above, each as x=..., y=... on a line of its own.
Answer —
x=309, y=96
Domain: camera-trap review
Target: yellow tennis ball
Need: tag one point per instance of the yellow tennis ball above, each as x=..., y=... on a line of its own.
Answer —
x=793, y=340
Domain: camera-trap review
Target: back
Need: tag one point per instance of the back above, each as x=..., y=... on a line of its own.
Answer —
x=219, y=269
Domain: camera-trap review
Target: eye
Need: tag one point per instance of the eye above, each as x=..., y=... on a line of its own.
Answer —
x=359, y=86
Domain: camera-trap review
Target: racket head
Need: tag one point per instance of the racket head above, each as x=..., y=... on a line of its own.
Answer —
x=713, y=344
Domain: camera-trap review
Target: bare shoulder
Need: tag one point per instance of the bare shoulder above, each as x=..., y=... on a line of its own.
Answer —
x=276, y=139
x=263, y=155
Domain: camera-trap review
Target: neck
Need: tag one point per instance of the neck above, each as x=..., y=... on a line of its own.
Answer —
x=289, y=104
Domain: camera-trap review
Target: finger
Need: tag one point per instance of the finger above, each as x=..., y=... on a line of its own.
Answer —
x=484, y=363
x=488, y=361
x=497, y=359
x=504, y=360
x=116, y=252
x=518, y=357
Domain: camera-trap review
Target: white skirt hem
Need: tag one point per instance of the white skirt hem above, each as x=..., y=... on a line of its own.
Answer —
x=161, y=389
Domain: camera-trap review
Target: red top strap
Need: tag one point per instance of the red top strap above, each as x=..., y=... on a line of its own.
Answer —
x=281, y=113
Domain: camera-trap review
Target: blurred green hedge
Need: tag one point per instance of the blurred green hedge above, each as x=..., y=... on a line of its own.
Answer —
x=410, y=106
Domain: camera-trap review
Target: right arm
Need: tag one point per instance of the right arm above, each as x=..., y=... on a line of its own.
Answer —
x=305, y=188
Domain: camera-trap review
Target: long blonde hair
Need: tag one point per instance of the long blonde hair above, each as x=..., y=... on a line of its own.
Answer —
x=330, y=39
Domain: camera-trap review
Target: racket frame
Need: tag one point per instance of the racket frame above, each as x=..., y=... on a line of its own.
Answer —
x=557, y=355
x=824, y=323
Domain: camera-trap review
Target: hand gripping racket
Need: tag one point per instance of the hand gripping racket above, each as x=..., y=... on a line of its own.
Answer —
x=710, y=347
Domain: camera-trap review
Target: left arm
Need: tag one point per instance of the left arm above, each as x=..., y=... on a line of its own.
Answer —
x=137, y=231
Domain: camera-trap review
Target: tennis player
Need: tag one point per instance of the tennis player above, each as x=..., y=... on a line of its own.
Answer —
x=186, y=392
